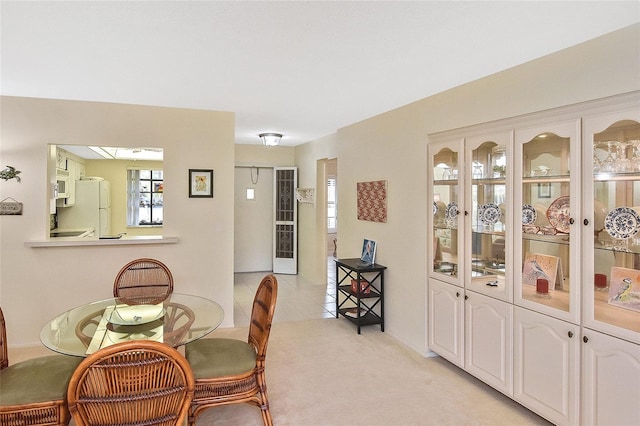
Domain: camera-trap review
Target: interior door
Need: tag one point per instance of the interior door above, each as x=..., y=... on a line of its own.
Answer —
x=285, y=237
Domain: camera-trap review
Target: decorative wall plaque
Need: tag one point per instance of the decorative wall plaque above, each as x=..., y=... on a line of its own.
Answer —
x=9, y=206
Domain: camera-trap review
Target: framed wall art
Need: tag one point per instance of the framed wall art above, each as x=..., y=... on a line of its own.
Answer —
x=200, y=183
x=372, y=201
x=544, y=190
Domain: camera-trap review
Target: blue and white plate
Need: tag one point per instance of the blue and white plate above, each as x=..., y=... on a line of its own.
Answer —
x=529, y=214
x=489, y=213
x=622, y=223
x=452, y=211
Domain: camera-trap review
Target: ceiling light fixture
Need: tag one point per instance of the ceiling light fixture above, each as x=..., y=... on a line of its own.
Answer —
x=270, y=139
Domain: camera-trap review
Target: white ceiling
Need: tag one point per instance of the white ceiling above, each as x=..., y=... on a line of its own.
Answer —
x=303, y=69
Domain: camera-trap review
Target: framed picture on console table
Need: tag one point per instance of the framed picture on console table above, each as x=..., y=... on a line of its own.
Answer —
x=368, y=252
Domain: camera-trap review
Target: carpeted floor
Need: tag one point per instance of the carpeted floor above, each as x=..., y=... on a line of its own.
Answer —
x=321, y=372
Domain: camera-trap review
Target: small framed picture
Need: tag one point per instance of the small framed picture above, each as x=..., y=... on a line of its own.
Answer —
x=368, y=252
x=544, y=190
x=200, y=183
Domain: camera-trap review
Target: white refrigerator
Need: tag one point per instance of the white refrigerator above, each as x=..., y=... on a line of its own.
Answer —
x=92, y=208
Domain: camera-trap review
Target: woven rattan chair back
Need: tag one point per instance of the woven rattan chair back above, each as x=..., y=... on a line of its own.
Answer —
x=245, y=385
x=264, y=306
x=4, y=351
x=138, y=382
x=22, y=410
x=144, y=280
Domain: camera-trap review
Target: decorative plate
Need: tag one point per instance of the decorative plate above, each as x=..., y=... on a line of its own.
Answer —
x=529, y=214
x=489, y=213
x=622, y=223
x=452, y=211
x=559, y=214
x=136, y=314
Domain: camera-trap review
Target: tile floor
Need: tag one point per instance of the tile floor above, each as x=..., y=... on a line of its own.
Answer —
x=298, y=298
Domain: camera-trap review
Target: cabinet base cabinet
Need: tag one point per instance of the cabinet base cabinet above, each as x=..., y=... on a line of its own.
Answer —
x=611, y=380
x=446, y=321
x=546, y=365
x=488, y=341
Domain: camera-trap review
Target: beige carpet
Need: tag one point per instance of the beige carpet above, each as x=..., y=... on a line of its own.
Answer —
x=320, y=372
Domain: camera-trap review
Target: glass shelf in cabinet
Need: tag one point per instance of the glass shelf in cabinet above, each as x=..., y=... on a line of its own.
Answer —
x=546, y=179
x=624, y=177
x=445, y=182
x=562, y=239
x=624, y=246
x=489, y=181
x=484, y=230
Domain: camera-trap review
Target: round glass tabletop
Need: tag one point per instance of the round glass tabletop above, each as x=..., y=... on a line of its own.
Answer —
x=177, y=320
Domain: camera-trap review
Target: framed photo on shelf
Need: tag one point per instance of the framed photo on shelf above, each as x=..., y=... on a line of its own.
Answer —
x=368, y=252
x=544, y=190
x=200, y=183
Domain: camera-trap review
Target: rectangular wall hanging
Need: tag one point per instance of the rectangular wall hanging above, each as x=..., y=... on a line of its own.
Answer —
x=372, y=201
x=10, y=206
x=200, y=183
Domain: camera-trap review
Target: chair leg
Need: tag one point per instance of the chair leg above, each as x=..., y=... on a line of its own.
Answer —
x=264, y=400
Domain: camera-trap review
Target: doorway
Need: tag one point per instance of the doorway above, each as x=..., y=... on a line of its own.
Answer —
x=331, y=180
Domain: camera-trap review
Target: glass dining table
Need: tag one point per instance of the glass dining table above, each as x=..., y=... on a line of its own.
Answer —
x=176, y=320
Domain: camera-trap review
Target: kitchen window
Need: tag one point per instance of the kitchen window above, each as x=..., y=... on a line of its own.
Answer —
x=145, y=190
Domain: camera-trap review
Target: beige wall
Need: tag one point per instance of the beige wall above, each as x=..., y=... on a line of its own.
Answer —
x=312, y=218
x=38, y=283
x=392, y=147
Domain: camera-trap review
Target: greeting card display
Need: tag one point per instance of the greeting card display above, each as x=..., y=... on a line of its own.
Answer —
x=624, y=288
x=540, y=266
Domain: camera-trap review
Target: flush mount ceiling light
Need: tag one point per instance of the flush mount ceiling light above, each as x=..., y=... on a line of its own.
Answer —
x=270, y=139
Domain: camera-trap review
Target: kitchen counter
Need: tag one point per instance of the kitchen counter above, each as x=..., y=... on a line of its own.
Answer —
x=95, y=241
x=71, y=232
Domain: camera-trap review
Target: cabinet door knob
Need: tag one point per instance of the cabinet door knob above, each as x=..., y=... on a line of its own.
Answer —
x=466, y=297
x=571, y=221
x=466, y=213
x=586, y=222
x=457, y=294
x=585, y=339
x=570, y=334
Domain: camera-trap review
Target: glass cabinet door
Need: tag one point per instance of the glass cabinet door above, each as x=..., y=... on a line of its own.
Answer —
x=611, y=281
x=446, y=173
x=487, y=215
x=547, y=199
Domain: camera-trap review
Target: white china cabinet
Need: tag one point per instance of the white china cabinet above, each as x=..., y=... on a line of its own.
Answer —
x=611, y=270
x=534, y=276
x=470, y=314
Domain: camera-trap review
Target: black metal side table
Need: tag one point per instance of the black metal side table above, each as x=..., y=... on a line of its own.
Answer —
x=360, y=292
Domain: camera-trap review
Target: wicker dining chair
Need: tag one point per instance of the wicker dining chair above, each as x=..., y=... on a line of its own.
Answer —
x=144, y=278
x=229, y=371
x=33, y=392
x=138, y=382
